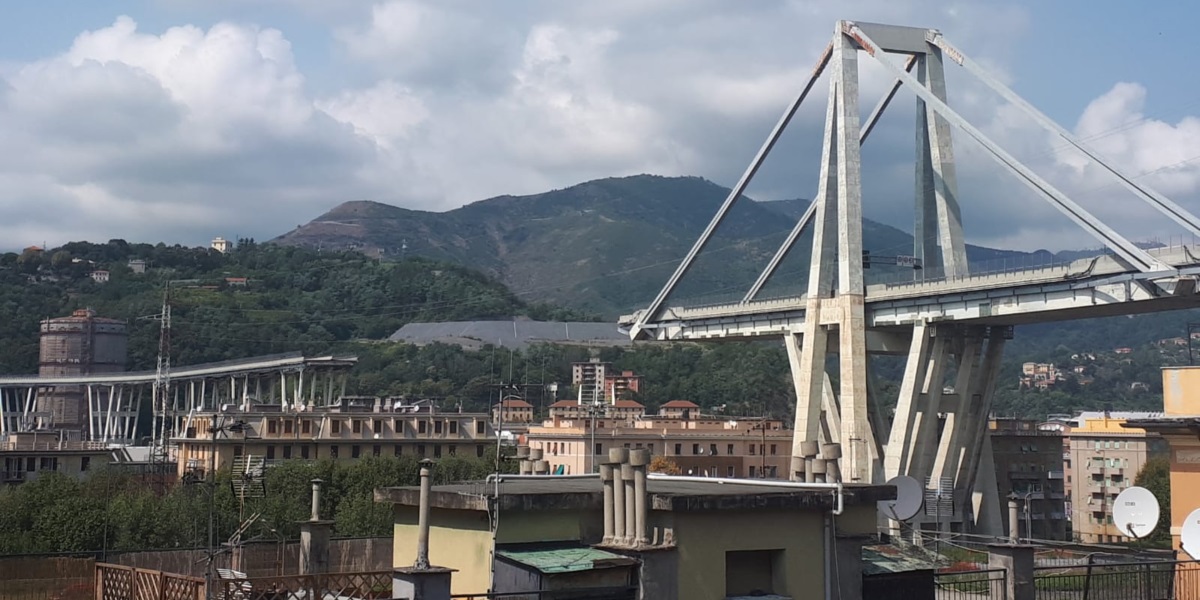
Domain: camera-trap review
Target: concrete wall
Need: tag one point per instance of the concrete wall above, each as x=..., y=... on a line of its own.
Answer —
x=703, y=538
x=458, y=539
x=1179, y=391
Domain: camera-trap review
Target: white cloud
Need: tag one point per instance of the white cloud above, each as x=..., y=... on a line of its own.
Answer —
x=179, y=134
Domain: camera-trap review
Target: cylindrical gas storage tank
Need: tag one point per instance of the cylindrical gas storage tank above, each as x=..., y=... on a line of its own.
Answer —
x=80, y=344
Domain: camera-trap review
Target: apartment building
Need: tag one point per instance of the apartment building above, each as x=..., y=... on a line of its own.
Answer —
x=1029, y=468
x=1106, y=456
x=588, y=377
x=340, y=433
x=512, y=411
x=622, y=386
x=27, y=455
x=698, y=445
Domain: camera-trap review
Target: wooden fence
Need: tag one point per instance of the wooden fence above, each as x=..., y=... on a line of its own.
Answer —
x=117, y=582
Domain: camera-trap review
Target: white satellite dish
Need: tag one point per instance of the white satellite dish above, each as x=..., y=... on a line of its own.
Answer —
x=1135, y=512
x=1189, y=536
x=909, y=497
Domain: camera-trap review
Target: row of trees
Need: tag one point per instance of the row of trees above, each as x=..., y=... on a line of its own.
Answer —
x=115, y=511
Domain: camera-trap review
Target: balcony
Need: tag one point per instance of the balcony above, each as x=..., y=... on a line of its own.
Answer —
x=1055, y=475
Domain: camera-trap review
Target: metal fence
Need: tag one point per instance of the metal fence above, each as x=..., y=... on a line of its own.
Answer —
x=600, y=593
x=972, y=585
x=1161, y=580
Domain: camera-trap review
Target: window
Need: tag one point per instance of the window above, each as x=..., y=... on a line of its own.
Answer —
x=752, y=449
x=377, y=425
x=479, y=450
x=772, y=449
x=288, y=426
x=272, y=426
x=376, y=449
x=730, y=471
x=287, y=452
x=729, y=449
x=649, y=447
x=437, y=427
x=453, y=427
x=84, y=463
x=306, y=427
x=712, y=449
x=305, y=452
x=678, y=449
x=399, y=450
x=237, y=450
x=398, y=426
x=599, y=448
x=420, y=449
x=422, y=427
x=753, y=572
x=452, y=449
x=479, y=427
x=356, y=425
x=437, y=450
x=31, y=464
x=49, y=464
x=637, y=445
x=333, y=452
x=270, y=452
x=355, y=450
x=335, y=426
x=751, y=471
x=695, y=448
x=627, y=445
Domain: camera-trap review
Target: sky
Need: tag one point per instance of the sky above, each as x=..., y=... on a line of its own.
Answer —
x=182, y=120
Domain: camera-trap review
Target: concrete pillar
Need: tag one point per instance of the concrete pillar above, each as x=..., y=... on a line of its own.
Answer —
x=817, y=470
x=616, y=457
x=606, y=479
x=1017, y=561
x=422, y=581
x=314, y=537
x=639, y=460
x=541, y=467
x=630, y=503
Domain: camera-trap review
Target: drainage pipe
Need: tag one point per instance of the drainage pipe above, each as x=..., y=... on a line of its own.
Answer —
x=837, y=488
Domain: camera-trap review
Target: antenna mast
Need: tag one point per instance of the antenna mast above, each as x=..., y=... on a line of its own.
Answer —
x=162, y=374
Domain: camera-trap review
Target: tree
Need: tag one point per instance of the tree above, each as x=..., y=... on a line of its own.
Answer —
x=664, y=465
x=1156, y=477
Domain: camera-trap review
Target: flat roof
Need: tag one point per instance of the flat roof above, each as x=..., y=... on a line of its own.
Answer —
x=565, y=560
x=586, y=493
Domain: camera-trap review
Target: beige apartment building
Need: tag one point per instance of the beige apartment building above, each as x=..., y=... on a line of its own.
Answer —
x=698, y=445
x=1105, y=459
x=339, y=433
x=27, y=455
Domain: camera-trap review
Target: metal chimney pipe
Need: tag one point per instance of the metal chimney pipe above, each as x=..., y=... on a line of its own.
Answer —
x=617, y=457
x=1014, y=522
x=316, y=499
x=638, y=461
x=606, y=479
x=423, y=523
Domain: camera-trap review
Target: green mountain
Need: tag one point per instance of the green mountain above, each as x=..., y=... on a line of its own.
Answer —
x=605, y=246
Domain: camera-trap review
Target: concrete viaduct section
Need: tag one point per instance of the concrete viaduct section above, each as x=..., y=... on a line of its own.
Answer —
x=114, y=400
x=950, y=324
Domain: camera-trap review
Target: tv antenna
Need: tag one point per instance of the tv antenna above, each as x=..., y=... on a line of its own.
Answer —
x=247, y=481
x=1135, y=512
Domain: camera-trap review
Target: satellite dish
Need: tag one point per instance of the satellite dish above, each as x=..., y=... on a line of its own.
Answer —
x=1135, y=512
x=909, y=497
x=1189, y=537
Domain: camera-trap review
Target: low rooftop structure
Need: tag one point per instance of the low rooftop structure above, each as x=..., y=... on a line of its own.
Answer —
x=686, y=537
